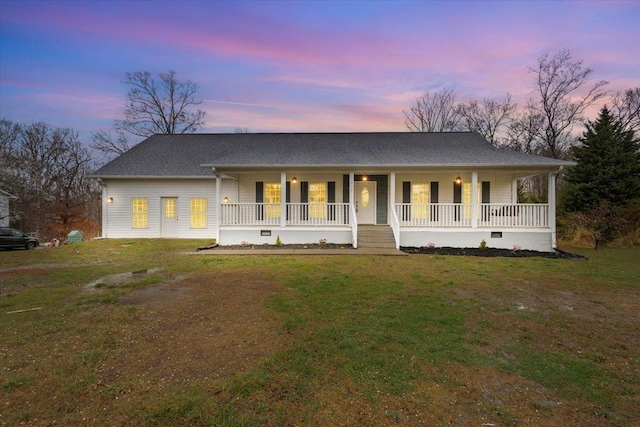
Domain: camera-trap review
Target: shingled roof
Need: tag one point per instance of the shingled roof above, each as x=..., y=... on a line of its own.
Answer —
x=193, y=155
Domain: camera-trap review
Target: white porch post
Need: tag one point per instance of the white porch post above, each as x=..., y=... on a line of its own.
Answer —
x=552, y=207
x=105, y=212
x=352, y=221
x=392, y=193
x=474, y=200
x=218, y=207
x=283, y=199
x=514, y=190
x=351, y=189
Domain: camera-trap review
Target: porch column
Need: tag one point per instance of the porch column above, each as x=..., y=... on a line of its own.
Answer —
x=283, y=199
x=218, y=207
x=474, y=199
x=514, y=190
x=392, y=193
x=352, y=219
x=105, y=212
x=552, y=207
x=351, y=190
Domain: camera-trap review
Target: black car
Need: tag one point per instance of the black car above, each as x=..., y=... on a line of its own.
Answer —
x=11, y=238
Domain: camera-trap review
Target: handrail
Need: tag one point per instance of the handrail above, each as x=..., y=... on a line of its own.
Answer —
x=354, y=225
x=395, y=227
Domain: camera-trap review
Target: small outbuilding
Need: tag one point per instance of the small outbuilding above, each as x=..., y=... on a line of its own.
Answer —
x=75, y=236
x=4, y=207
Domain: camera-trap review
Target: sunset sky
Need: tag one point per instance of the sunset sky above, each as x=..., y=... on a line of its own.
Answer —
x=297, y=66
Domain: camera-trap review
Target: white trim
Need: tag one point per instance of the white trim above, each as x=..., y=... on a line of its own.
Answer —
x=552, y=207
x=283, y=199
x=218, y=207
x=105, y=212
x=474, y=199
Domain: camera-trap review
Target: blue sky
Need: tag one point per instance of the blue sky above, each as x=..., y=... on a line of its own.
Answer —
x=297, y=66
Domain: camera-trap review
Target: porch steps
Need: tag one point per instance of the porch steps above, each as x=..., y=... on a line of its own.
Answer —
x=376, y=236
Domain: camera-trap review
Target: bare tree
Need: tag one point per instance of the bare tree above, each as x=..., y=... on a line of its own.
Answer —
x=48, y=170
x=8, y=136
x=241, y=130
x=160, y=106
x=108, y=144
x=434, y=112
x=523, y=131
x=626, y=106
x=561, y=100
x=489, y=118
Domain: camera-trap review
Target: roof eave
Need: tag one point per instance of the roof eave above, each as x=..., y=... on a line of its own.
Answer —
x=151, y=177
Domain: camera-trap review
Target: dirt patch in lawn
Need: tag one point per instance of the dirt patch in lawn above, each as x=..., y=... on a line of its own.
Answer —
x=201, y=328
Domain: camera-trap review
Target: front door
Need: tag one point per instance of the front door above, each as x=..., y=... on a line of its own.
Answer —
x=170, y=217
x=366, y=202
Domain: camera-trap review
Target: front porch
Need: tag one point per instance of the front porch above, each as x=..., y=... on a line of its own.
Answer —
x=444, y=224
x=424, y=216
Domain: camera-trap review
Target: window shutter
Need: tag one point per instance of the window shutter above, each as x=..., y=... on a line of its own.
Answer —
x=406, y=198
x=434, y=192
x=259, y=192
x=331, y=199
x=406, y=192
x=287, y=197
x=260, y=199
x=486, y=198
x=304, y=198
x=457, y=193
x=434, y=199
x=345, y=197
x=457, y=198
x=486, y=192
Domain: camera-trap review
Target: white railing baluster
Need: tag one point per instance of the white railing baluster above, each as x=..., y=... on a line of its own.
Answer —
x=502, y=215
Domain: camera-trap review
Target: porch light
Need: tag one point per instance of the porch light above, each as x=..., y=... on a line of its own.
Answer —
x=364, y=178
x=225, y=200
x=294, y=180
x=110, y=200
x=458, y=179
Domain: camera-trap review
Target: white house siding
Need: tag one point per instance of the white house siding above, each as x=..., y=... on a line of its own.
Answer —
x=501, y=184
x=119, y=214
x=247, y=184
x=531, y=239
x=229, y=189
x=4, y=210
x=288, y=235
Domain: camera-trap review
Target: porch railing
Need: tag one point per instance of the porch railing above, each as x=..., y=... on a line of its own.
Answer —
x=459, y=215
x=317, y=214
x=407, y=215
x=530, y=215
x=270, y=214
x=434, y=215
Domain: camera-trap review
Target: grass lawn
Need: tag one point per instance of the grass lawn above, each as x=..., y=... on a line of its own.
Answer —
x=316, y=340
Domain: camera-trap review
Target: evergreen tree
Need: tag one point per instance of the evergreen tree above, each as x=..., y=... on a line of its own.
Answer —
x=608, y=169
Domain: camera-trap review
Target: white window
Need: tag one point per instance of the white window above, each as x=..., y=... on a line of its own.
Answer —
x=420, y=200
x=198, y=213
x=272, y=199
x=466, y=198
x=140, y=213
x=318, y=199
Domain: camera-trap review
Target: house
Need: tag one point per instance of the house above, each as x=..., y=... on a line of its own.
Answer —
x=449, y=189
x=4, y=207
